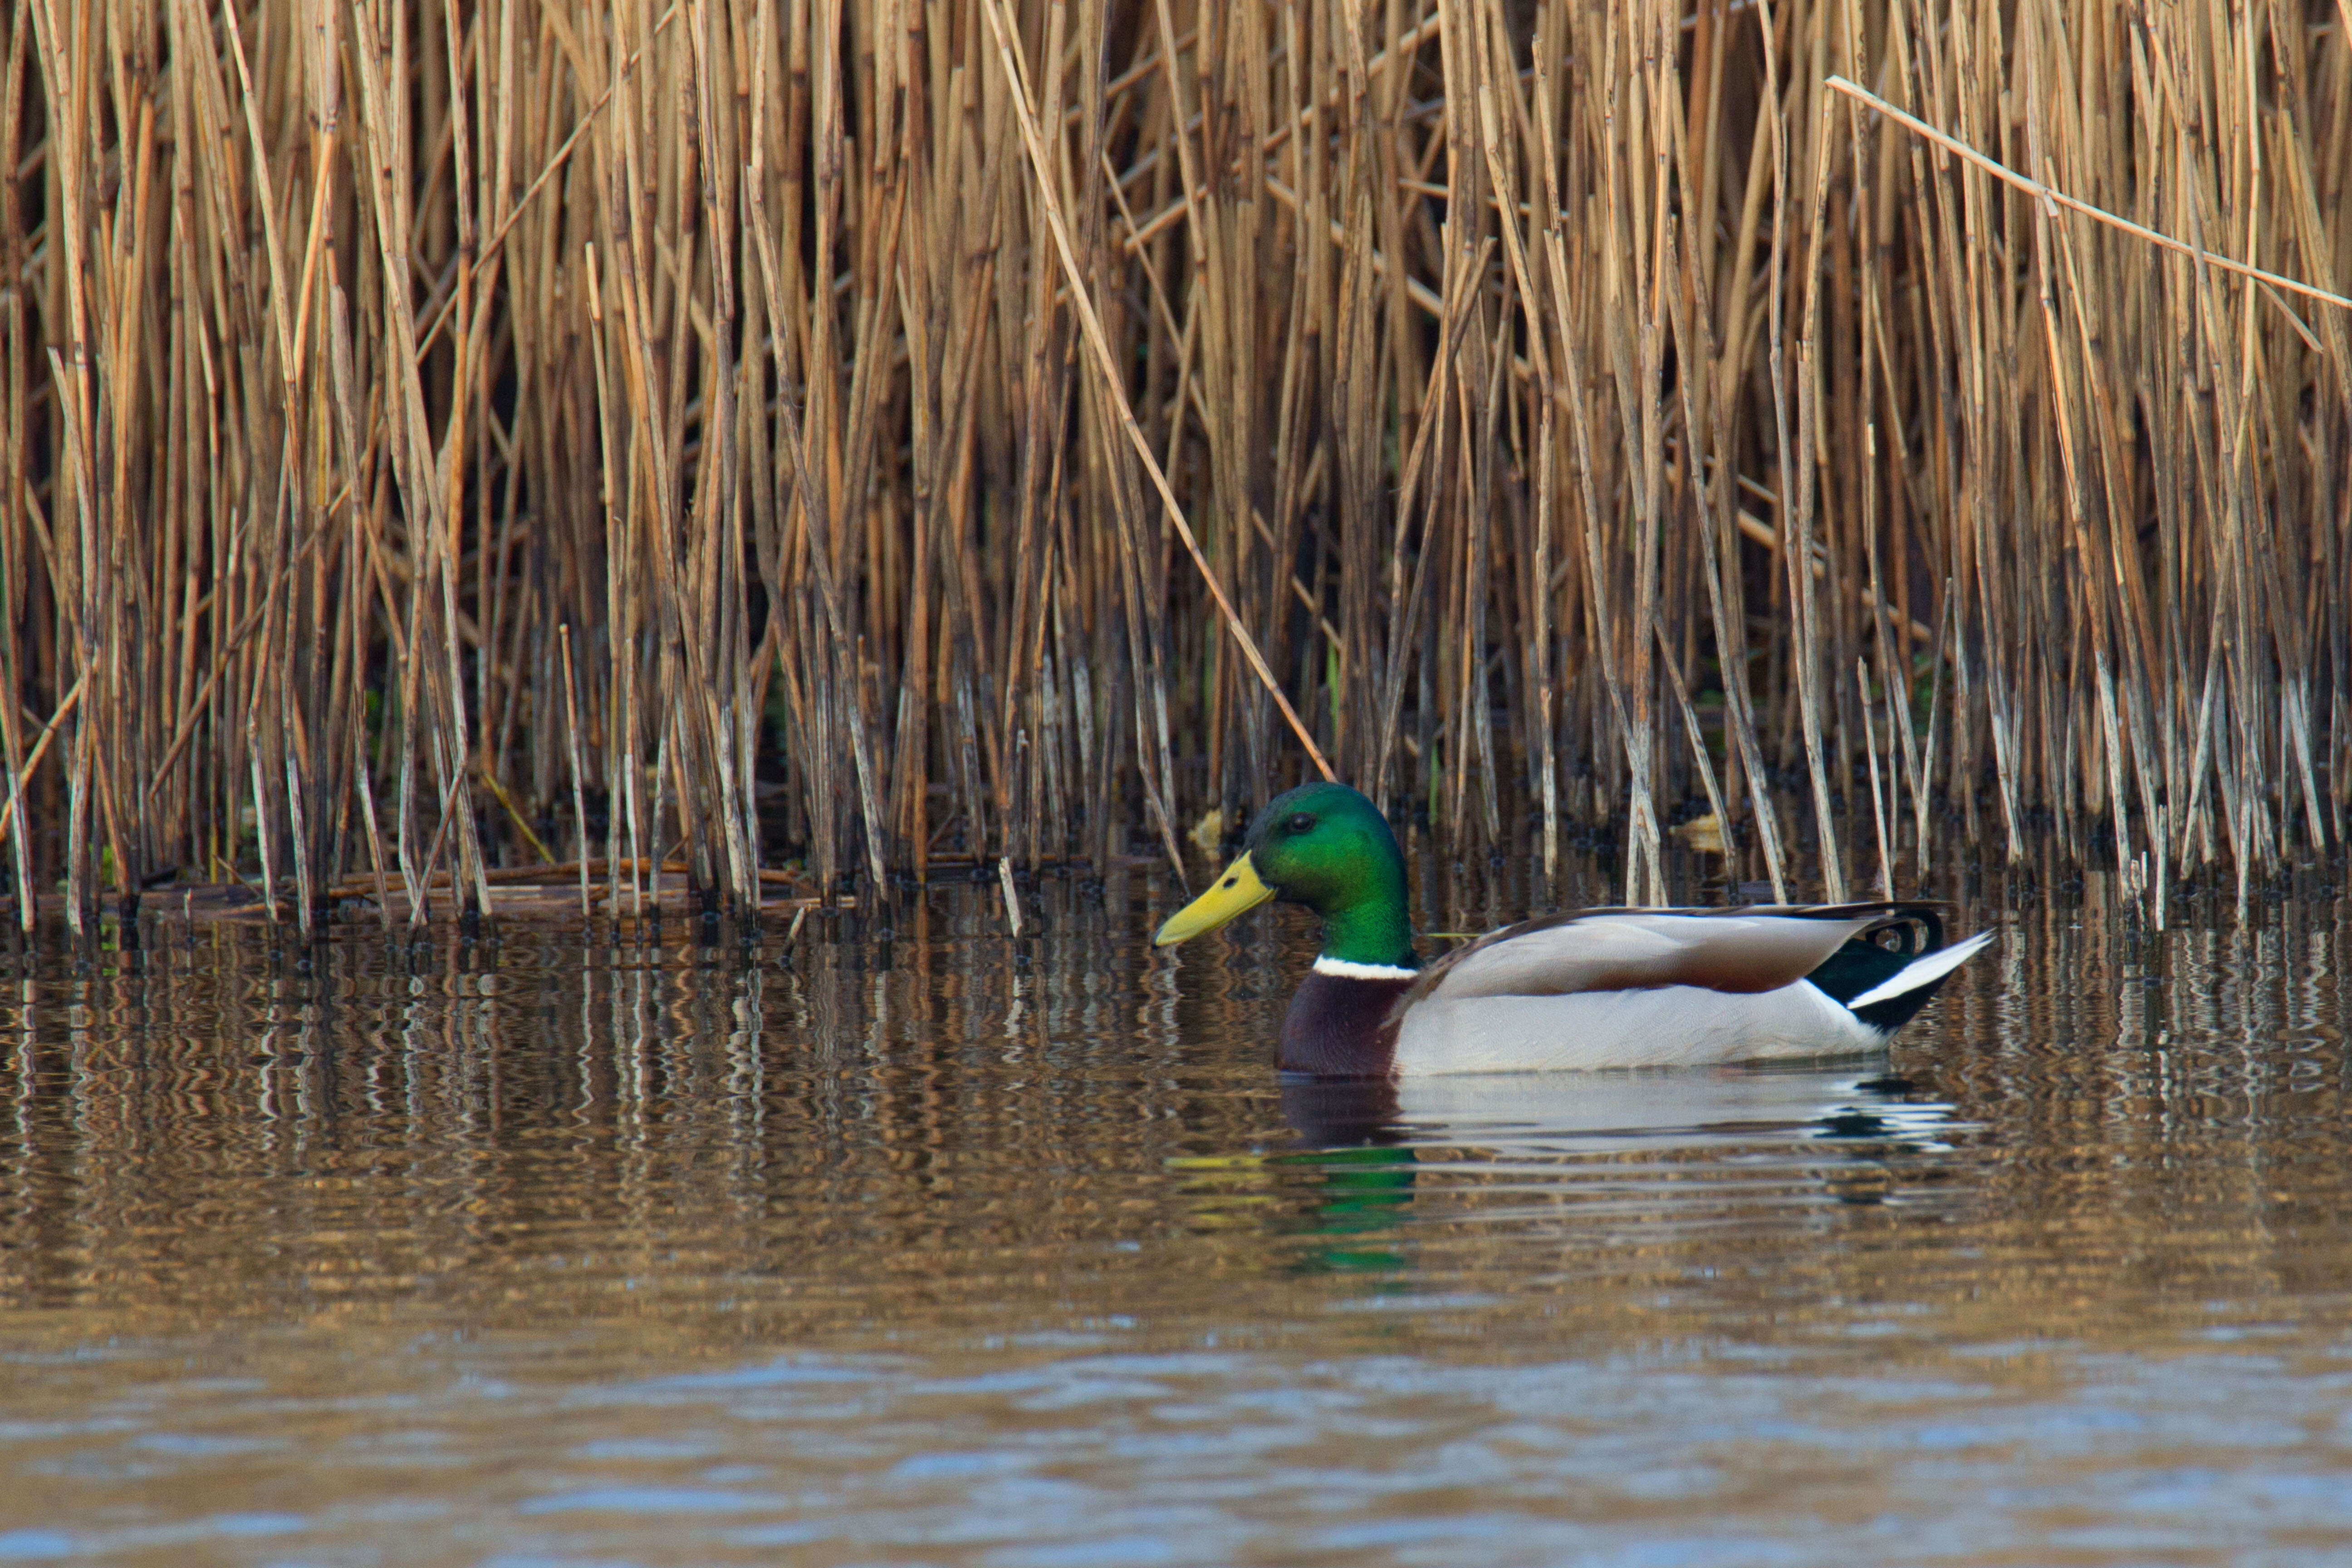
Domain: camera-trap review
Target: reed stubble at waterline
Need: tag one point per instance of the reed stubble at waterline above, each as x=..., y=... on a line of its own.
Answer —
x=435, y=439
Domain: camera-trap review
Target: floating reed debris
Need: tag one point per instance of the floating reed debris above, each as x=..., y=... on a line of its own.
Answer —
x=437, y=439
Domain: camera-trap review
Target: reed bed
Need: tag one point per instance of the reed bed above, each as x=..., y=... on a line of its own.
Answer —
x=851, y=438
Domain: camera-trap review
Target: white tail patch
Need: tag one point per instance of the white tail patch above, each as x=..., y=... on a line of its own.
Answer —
x=1924, y=971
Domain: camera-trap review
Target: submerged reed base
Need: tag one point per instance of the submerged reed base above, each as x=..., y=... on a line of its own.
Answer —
x=811, y=440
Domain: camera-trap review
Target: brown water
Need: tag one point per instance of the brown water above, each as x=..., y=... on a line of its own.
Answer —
x=955, y=1249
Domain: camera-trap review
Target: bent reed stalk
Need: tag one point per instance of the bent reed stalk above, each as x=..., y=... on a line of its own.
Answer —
x=843, y=437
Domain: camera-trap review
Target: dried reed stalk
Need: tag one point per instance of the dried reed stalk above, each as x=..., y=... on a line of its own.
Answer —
x=867, y=434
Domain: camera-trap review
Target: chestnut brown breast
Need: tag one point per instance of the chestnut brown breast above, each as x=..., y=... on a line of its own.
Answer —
x=1338, y=1027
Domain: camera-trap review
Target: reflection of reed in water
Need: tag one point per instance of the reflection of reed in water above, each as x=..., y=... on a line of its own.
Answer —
x=710, y=1155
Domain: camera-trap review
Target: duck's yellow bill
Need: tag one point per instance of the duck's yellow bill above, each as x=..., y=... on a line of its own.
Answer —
x=1236, y=892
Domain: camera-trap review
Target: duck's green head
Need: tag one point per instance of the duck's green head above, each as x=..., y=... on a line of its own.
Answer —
x=1327, y=847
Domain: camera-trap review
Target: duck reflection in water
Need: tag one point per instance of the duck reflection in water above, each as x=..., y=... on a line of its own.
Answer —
x=1362, y=1154
x=1364, y=1140
x=1611, y=1112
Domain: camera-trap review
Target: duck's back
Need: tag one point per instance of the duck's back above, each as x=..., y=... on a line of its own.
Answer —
x=1628, y=988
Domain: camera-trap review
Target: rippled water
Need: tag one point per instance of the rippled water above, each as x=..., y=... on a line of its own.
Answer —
x=937, y=1246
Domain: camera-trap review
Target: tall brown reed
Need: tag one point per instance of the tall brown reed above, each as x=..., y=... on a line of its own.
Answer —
x=885, y=432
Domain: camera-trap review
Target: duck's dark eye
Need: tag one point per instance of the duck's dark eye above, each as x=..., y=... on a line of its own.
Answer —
x=1299, y=822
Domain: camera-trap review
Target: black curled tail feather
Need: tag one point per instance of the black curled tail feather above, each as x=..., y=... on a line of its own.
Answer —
x=1922, y=926
x=1865, y=962
x=1887, y=989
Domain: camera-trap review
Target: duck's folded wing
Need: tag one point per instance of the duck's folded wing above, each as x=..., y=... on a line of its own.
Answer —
x=1743, y=951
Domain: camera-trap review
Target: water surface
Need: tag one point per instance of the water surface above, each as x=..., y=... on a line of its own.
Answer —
x=919, y=1244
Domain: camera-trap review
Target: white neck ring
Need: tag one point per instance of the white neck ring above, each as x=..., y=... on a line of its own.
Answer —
x=1342, y=969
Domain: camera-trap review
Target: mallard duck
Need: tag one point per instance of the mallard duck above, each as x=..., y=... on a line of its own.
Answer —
x=1600, y=988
